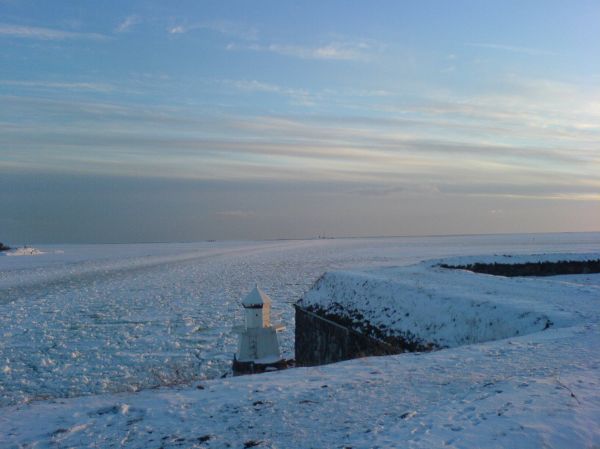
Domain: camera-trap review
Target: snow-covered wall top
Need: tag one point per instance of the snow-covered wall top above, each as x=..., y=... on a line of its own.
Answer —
x=428, y=304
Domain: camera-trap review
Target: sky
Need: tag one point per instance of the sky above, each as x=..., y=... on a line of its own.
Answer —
x=145, y=121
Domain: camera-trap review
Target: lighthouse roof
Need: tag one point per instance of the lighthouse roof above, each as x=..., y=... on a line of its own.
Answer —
x=256, y=298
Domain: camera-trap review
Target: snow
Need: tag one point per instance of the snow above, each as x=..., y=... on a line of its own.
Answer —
x=446, y=307
x=81, y=331
x=24, y=251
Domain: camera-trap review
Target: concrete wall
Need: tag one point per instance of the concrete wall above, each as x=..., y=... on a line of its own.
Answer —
x=320, y=341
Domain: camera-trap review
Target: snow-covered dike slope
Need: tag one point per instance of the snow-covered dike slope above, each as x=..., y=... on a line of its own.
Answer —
x=429, y=304
x=129, y=314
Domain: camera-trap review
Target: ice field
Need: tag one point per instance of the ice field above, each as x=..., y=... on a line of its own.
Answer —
x=109, y=320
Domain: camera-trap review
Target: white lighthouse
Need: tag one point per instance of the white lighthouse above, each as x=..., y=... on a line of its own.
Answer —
x=258, y=348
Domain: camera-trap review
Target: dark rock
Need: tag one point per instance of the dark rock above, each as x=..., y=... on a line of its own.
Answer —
x=531, y=268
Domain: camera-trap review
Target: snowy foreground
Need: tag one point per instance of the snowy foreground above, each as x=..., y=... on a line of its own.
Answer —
x=133, y=319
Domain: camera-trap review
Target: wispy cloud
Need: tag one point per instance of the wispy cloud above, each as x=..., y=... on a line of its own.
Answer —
x=297, y=96
x=537, y=133
x=513, y=49
x=128, y=23
x=29, y=32
x=97, y=87
x=377, y=190
x=178, y=29
x=235, y=214
x=338, y=50
x=226, y=28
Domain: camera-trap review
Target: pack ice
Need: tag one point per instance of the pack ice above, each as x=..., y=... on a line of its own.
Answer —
x=519, y=368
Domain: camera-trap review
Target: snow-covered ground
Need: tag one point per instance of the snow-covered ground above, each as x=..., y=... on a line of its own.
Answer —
x=24, y=251
x=100, y=319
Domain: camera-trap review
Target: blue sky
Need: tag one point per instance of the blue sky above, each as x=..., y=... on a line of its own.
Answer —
x=146, y=121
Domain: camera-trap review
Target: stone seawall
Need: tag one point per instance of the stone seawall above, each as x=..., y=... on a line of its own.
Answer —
x=320, y=341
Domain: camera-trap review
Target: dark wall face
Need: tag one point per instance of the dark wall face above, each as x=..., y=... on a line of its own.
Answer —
x=320, y=341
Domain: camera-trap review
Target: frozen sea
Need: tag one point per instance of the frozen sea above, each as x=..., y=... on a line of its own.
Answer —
x=93, y=319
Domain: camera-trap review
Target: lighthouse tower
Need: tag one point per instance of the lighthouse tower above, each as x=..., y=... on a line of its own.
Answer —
x=258, y=347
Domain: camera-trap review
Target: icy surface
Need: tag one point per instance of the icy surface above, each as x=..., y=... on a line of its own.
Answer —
x=110, y=318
